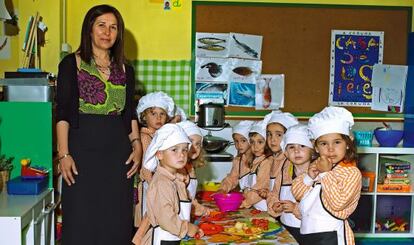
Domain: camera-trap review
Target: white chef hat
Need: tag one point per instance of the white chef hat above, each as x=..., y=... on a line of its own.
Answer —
x=297, y=134
x=190, y=128
x=331, y=120
x=259, y=127
x=156, y=99
x=286, y=119
x=243, y=128
x=180, y=112
x=165, y=137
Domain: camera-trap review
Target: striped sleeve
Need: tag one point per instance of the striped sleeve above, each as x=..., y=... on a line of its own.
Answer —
x=299, y=187
x=341, y=189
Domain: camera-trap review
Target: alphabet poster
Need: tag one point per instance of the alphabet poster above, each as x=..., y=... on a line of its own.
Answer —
x=353, y=55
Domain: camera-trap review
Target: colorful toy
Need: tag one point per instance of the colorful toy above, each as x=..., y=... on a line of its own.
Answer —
x=395, y=224
x=32, y=172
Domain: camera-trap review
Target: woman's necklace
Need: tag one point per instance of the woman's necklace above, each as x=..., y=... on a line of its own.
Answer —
x=104, y=69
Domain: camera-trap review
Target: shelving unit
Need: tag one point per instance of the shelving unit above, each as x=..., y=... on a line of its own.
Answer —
x=376, y=206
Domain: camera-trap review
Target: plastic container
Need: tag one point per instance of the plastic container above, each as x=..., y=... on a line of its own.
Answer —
x=18, y=186
x=363, y=138
x=368, y=179
x=388, y=138
x=228, y=202
x=211, y=186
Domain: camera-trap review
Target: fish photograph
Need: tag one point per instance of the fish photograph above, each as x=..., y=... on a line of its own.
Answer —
x=245, y=46
x=270, y=92
x=211, y=44
x=244, y=69
x=211, y=69
x=242, y=94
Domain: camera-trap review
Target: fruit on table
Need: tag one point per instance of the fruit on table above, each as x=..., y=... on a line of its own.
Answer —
x=210, y=228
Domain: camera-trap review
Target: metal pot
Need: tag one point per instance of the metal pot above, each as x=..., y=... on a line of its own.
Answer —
x=211, y=115
x=214, y=144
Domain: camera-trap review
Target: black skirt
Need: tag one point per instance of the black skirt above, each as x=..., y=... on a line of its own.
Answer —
x=97, y=209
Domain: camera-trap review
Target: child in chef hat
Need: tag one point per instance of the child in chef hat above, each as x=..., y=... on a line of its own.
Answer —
x=239, y=174
x=330, y=190
x=195, y=156
x=298, y=149
x=168, y=205
x=179, y=115
x=154, y=110
x=277, y=124
x=259, y=176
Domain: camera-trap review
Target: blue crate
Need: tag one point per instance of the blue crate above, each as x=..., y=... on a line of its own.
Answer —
x=19, y=186
x=363, y=138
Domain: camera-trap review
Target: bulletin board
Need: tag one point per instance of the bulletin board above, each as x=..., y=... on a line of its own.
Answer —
x=296, y=42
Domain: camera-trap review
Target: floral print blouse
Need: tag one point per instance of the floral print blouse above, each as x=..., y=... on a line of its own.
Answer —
x=100, y=96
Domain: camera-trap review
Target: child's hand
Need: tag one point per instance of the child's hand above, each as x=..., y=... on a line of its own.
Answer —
x=323, y=164
x=313, y=170
x=244, y=204
x=277, y=207
x=199, y=234
x=192, y=230
x=288, y=206
x=263, y=193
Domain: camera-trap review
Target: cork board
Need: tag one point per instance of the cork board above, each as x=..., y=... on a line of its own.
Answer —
x=296, y=42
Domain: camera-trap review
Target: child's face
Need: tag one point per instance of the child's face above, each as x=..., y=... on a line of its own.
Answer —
x=195, y=150
x=241, y=143
x=257, y=144
x=298, y=154
x=333, y=146
x=155, y=117
x=174, y=158
x=274, y=135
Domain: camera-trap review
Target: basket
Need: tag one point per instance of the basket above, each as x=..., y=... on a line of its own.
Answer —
x=363, y=138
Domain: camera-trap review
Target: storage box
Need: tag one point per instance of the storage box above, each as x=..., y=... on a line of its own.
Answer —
x=18, y=186
x=27, y=89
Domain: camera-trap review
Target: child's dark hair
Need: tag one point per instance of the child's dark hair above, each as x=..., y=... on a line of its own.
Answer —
x=284, y=128
x=351, y=151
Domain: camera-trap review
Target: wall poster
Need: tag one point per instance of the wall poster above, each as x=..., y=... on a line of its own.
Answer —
x=353, y=55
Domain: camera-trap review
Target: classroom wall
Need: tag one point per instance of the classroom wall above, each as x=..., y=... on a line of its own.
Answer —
x=153, y=34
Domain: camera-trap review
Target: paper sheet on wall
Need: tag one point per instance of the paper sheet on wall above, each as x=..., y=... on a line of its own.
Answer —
x=388, y=84
x=270, y=91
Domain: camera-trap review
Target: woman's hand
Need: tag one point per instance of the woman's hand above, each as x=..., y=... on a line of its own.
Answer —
x=323, y=164
x=288, y=206
x=134, y=157
x=313, y=170
x=67, y=167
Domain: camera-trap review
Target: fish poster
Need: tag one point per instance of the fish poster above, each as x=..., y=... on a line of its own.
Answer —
x=212, y=44
x=242, y=94
x=270, y=91
x=353, y=55
x=212, y=69
x=388, y=83
x=245, y=46
x=211, y=91
x=244, y=70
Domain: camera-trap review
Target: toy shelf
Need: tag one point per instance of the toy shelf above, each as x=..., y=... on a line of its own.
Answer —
x=385, y=210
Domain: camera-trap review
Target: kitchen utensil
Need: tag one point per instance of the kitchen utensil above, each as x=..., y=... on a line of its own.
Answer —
x=214, y=144
x=388, y=138
x=211, y=115
x=228, y=202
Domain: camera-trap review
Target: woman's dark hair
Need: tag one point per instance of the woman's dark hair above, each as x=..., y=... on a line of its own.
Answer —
x=85, y=47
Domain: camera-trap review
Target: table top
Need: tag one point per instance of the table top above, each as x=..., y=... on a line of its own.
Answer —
x=276, y=234
x=18, y=205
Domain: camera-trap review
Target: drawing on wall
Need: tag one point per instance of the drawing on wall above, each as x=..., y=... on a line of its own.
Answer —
x=242, y=94
x=388, y=83
x=212, y=69
x=353, y=55
x=211, y=92
x=270, y=91
x=4, y=48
